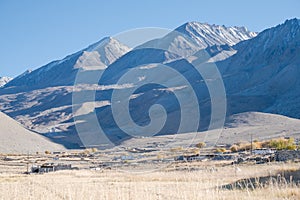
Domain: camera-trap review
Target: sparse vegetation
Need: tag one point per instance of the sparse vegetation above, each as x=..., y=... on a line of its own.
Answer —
x=89, y=151
x=200, y=145
x=195, y=151
x=110, y=184
x=220, y=150
x=176, y=149
x=278, y=144
x=283, y=144
x=214, y=176
x=160, y=156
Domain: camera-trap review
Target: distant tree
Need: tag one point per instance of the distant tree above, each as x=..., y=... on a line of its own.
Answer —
x=47, y=152
x=220, y=150
x=86, y=151
x=234, y=148
x=200, y=145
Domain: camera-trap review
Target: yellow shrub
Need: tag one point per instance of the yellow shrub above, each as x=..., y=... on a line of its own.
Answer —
x=200, y=145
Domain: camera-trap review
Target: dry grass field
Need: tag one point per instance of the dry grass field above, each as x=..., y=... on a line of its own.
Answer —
x=199, y=180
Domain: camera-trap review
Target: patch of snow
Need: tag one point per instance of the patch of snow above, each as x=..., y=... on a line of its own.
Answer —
x=89, y=107
x=134, y=96
x=4, y=80
x=172, y=89
x=141, y=78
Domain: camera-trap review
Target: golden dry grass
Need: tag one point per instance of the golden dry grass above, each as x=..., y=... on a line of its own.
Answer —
x=173, y=184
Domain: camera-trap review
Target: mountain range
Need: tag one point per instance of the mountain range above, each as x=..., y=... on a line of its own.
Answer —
x=259, y=70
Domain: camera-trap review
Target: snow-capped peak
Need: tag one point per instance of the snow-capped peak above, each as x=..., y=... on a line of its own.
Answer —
x=191, y=37
x=61, y=72
x=4, y=80
x=207, y=35
x=109, y=49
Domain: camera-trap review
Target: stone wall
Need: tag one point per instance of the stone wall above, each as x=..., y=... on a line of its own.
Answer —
x=286, y=155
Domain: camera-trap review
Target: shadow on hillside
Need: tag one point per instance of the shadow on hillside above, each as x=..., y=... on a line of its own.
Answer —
x=281, y=178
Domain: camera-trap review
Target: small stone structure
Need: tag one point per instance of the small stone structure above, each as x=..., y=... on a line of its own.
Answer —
x=198, y=157
x=263, y=151
x=286, y=155
x=50, y=167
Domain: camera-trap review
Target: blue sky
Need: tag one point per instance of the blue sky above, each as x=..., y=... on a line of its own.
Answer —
x=35, y=32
